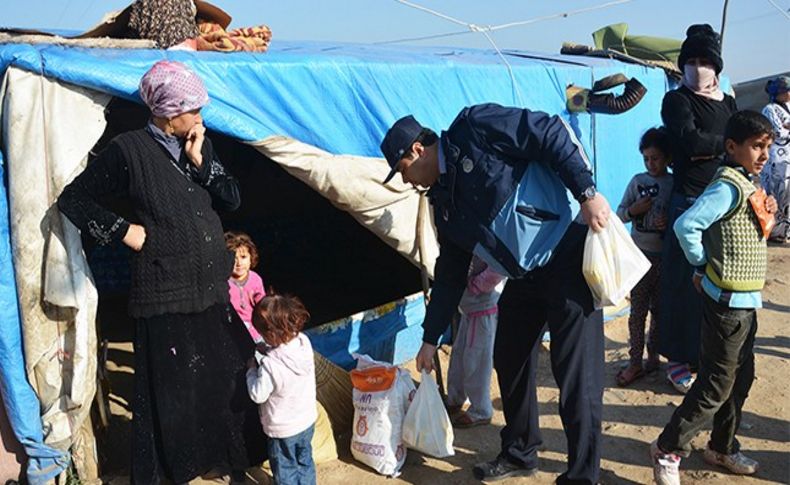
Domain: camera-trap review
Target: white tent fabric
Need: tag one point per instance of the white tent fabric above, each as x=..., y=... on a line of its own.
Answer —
x=353, y=184
x=48, y=130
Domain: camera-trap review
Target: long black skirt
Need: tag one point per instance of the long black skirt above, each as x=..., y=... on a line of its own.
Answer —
x=191, y=409
x=680, y=318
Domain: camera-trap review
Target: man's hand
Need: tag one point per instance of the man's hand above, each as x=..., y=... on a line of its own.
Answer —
x=595, y=212
x=425, y=357
x=641, y=206
x=697, y=280
x=770, y=204
x=135, y=237
x=194, y=144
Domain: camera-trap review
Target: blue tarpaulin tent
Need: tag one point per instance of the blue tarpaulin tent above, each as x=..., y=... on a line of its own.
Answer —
x=337, y=100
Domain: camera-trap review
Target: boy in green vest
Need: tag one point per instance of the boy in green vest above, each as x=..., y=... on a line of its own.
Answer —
x=722, y=237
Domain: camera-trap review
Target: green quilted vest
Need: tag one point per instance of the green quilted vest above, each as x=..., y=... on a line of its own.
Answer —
x=734, y=245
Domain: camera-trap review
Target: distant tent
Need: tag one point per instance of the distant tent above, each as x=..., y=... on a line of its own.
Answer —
x=751, y=94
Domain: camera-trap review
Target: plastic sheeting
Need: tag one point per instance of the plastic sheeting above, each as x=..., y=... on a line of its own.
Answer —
x=340, y=98
x=390, y=333
x=55, y=292
x=21, y=403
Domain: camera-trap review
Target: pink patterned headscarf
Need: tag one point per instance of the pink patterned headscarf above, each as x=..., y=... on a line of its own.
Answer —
x=170, y=88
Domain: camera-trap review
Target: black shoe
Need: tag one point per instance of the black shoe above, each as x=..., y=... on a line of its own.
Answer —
x=500, y=468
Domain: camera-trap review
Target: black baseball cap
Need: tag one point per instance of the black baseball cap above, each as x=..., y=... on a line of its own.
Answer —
x=397, y=142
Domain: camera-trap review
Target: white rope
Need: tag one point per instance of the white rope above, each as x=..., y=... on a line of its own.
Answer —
x=490, y=28
x=784, y=12
x=425, y=37
x=559, y=15
x=516, y=90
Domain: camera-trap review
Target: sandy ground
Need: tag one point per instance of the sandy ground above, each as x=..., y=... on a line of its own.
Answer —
x=633, y=417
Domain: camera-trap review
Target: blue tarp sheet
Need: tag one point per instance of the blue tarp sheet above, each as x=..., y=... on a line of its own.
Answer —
x=340, y=98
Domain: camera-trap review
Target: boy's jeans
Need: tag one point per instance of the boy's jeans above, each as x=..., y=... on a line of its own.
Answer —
x=291, y=459
x=726, y=374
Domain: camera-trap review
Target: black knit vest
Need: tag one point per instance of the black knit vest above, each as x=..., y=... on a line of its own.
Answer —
x=184, y=264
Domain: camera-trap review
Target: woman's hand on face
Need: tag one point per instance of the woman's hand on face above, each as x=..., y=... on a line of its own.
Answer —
x=135, y=237
x=194, y=144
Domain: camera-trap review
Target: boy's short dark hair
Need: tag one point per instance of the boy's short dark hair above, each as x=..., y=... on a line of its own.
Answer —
x=745, y=124
x=656, y=138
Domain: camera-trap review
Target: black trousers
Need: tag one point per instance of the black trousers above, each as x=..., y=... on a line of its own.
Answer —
x=725, y=376
x=558, y=296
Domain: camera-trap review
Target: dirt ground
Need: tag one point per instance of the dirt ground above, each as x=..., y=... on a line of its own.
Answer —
x=633, y=417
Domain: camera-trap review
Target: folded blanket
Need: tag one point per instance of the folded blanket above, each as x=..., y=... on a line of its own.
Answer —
x=250, y=39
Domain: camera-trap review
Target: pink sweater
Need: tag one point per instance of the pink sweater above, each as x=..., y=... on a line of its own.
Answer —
x=284, y=386
x=244, y=296
x=483, y=288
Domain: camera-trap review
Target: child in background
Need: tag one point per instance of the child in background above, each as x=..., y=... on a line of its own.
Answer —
x=281, y=379
x=472, y=359
x=723, y=237
x=644, y=204
x=244, y=285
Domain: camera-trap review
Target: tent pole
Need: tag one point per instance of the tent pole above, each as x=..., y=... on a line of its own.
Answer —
x=723, y=23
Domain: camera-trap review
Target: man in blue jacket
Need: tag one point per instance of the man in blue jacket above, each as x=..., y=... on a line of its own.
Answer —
x=499, y=180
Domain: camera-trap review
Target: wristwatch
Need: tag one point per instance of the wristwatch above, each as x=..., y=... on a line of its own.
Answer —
x=586, y=194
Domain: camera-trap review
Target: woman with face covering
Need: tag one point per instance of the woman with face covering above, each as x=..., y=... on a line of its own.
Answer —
x=775, y=177
x=187, y=357
x=694, y=115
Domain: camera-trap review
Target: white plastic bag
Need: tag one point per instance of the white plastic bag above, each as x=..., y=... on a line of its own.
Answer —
x=612, y=263
x=382, y=393
x=427, y=427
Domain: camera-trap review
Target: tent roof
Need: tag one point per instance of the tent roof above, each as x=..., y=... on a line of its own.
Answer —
x=338, y=97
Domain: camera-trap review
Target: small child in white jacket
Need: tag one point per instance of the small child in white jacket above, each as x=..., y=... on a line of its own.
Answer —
x=281, y=379
x=472, y=359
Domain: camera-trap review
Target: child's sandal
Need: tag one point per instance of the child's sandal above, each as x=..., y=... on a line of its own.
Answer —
x=629, y=375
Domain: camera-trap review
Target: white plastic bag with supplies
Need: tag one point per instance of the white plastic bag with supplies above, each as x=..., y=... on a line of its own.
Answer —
x=382, y=393
x=612, y=263
x=427, y=427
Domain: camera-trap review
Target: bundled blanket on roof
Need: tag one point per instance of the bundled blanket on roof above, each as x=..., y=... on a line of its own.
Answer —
x=252, y=39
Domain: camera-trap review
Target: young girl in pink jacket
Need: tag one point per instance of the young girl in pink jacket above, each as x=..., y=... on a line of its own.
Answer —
x=245, y=286
x=281, y=379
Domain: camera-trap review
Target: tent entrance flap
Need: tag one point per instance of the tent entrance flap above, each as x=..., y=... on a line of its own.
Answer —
x=307, y=247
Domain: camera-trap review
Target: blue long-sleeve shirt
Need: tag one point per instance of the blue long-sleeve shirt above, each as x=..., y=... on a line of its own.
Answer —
x=717, y=200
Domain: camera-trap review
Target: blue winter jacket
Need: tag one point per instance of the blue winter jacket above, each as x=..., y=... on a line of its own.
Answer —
x=503, y=196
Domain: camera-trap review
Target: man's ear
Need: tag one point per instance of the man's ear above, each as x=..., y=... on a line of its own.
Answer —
x=729, y=145
x=417, y=148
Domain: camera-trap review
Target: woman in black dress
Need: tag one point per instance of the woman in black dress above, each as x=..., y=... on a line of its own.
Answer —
x=189, y=354
x=694, y=115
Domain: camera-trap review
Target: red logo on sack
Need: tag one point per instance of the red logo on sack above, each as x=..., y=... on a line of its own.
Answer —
x=362, y=426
